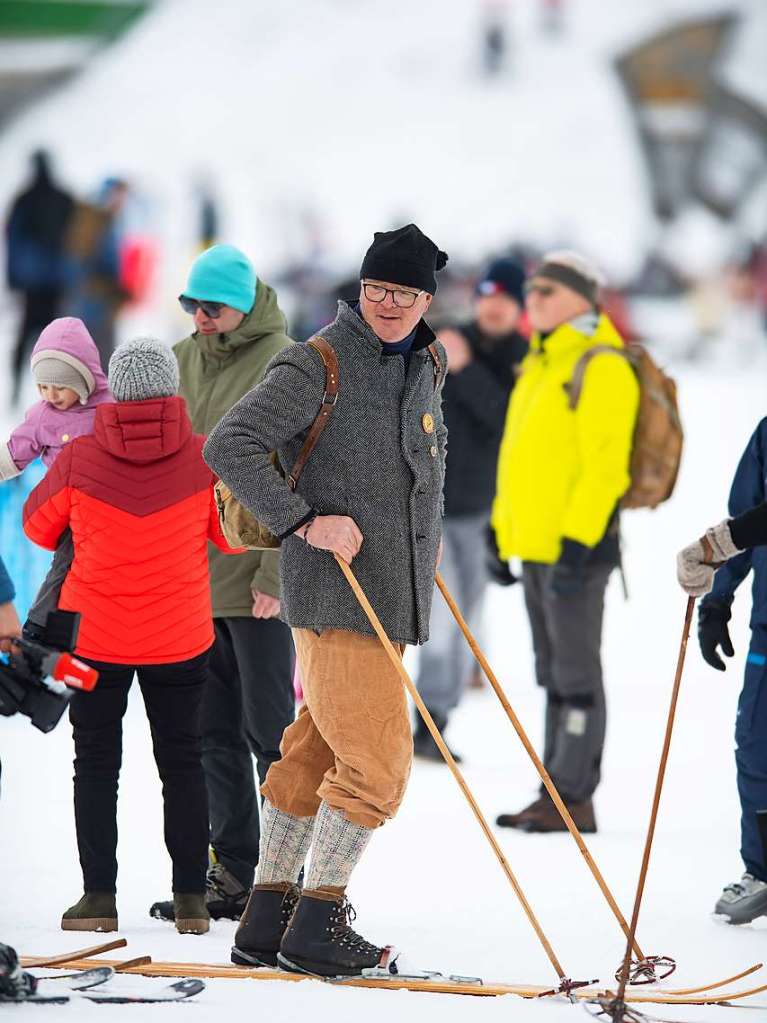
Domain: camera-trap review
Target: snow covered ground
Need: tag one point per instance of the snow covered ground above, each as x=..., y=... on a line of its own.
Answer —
x=304, y=117
x=429, y=883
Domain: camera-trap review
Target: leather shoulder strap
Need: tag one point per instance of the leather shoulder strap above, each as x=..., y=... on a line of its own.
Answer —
x=329, y=399
x=434, y=353
x=575, y=386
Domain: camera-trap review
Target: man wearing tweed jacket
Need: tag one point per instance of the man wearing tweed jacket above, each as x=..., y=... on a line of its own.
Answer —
x=371, y=492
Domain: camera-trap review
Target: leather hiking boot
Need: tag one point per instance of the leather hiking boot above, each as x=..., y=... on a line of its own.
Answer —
x=519, y=820
x=424, y=745
x=225, y=897
x=547, y=818
x=267, y=915
x=191, y=914
x=320, y=940
x=96, y=911
x=743, y=901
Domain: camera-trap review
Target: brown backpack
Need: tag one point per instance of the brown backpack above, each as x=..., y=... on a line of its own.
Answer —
x=657, y=446
x=240, y=526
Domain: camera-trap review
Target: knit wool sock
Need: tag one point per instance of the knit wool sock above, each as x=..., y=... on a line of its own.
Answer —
x=337, y=846
x=284, y=844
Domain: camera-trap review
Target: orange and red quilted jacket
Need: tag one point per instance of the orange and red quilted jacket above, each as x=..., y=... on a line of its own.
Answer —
x=138, y=498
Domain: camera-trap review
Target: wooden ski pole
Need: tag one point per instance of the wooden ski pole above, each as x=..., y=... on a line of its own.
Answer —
x=617, y=1007
x=394, y=657
x=539, y=766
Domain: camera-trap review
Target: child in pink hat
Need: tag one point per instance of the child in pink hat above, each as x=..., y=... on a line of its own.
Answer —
x=67, y=370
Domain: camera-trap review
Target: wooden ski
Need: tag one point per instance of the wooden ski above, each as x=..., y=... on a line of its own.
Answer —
x=78, y=953
x=436, y=984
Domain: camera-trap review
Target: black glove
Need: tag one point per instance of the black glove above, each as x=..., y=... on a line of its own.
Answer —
x=497, y=568
x=568, y=575
x=15, y=983
x=713, y=632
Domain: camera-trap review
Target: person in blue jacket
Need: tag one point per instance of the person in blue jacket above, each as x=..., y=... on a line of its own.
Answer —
x=745, y=899
x=9, y=621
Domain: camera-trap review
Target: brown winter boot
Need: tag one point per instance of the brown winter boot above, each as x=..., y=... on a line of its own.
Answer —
x=548, y=818
x=191, y=913
x=521, y=819
x=96, y=911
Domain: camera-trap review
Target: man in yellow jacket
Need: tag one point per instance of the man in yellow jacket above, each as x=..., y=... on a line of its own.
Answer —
x=562, y=469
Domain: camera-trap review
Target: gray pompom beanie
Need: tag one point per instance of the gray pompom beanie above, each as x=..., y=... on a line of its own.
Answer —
x=142, y=369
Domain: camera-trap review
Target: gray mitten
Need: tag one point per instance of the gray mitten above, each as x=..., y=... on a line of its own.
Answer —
x=696, y=563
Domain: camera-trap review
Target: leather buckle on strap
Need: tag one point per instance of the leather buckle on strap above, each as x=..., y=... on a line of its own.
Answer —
x=329, y=399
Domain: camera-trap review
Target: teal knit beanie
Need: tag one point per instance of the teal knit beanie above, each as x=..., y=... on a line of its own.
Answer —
x=223, y=274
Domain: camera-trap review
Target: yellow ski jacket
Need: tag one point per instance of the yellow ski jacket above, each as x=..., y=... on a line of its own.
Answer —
x=561, y=472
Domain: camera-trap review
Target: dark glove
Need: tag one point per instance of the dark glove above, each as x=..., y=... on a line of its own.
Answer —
x=713, y=633
x=497, y=568
x=568, y=574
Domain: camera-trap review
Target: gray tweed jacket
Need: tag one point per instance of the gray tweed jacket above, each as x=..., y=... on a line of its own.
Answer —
x=379, y=460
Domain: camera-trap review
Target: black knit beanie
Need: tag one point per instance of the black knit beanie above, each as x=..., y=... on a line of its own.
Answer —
x=405, y=256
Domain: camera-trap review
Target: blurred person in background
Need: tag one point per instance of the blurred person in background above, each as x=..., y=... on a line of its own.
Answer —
x=249, y=700
x=481, y=357
x=745, y=899
x=36, y=259
x=93, y=241
x=561, y=474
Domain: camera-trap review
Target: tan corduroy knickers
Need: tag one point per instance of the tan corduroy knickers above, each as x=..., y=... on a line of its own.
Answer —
x=351, y=744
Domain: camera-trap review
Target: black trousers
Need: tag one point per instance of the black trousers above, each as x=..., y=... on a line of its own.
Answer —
x=248, y=704
x=172, y=696
x=40, y=307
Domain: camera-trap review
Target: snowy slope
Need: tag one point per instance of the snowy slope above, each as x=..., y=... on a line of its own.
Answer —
x=296, y=90
x=365, y=113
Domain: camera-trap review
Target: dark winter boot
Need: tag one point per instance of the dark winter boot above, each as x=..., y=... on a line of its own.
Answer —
x=423, y=744
x=520, y=820
x=224, y=895
x=267, y=914
x=96, y=911
x=319, y=938
x=191, y=914
x=548, y=818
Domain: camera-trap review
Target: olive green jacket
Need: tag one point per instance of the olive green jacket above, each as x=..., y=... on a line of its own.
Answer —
x=216, y=371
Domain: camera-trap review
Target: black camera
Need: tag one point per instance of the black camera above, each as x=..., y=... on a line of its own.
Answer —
x=40, y=675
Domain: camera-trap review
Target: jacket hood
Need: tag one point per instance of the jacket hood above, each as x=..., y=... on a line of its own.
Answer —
x=143, y=431
x=67, y=338
x=264, y=318
x=567, y=335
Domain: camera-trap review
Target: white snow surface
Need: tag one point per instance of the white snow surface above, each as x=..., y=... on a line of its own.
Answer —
x=429, y=883
x=303, y=101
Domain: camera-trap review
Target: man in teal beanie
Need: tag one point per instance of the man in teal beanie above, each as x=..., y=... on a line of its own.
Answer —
x=223, y=275
x=249, y=701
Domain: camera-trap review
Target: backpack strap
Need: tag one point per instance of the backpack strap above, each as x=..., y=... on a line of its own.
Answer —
x=329, y=399
x=434, y=353
x=575, y=386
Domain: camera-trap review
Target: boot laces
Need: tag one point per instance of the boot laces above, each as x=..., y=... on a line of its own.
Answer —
x=342, y=932
x=289, y=903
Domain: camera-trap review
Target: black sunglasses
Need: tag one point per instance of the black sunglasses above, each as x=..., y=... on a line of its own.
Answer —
x=191, y=305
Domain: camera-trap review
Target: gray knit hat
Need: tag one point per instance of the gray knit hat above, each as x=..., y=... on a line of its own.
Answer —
x=142, y=369
x=52, y=372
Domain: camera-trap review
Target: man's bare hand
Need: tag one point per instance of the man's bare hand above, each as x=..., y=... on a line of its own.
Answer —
x=10, y=626
x=336, y=533
x=265, y=606
x=457, y=348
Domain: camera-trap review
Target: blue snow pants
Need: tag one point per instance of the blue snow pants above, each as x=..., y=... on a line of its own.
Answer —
x=751, y=757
